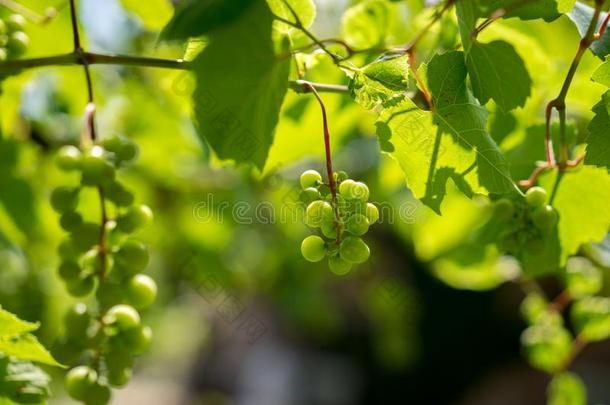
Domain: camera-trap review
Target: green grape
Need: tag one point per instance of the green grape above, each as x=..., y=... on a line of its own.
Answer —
x=128, y=151
x=345, y=188
x=96, y=169
x=372, y=213
x=354, y=250
x=66, y=351
x=69, y=270
x=120, y=377
x=329, y=229
x=118, y=359
x=313, y=248
x=68, y=158
x=341, y=176
x=360, y=191
x=507, y=242
x=98, y=394
x=109, y=294
x=118, y=194
x=79, y=382
x=70, y=221
x=536, y=197
x=504, y=209
x=141, y=291
x=18, y=43
x=357, y=224
x=310, y=178
x=81, y=286
x=317, y=212
x=583, y=278
x=544, y=218
x=77, y=320
x=67, y=250
x=339, y=266
x=86, y=236
x=546, y=346
x=137, y=340
x=132, y=256
x=136, y=217
x=15, y=22
x=309, y=195
x=533, y=307
x=124, y=317
x=591, y=318
x=92, y=261
x=112, y=143
x=64, y=199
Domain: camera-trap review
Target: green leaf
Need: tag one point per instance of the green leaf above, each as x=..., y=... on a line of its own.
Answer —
x=598, y=141
x=365, y=24
x=380, y=81
x=567, y=389
x=22, y=382
x=153, y=13
x=27, y=347
x=304, y=9
x=194, y=18
x=18, y=199
x=591, y=318
x=581, y=198
x=451, y=143
x=548, y=10
x=602, y=74
x=11, y=325
x=241, y=84
x=497, y=72
x=581, y=16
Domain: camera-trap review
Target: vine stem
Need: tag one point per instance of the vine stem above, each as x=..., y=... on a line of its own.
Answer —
x=91, y=131
x=332, y=184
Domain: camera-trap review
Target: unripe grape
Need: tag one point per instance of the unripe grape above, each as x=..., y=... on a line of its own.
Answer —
x=341, y=176
x=354, y=250
x=132, y=256
x=86, y=236
x=345, y=188
x=583, y=278
x=141, y=291
x=339, y=266
x=119, y=378
x=66, y=351
x=136, y=217
x=329, y=229
x=137, y=340
x=67, y=250
x=70, y=221
x=536, y=197
x=313, y=248
x=507, y=242
x=128, y=151
x=15, y=22
x=317, y=212
x=310, y=178
x=124, y=317
x=118, y=194
x=68, y=158
x=109, y=294
x=118, y=358
x=64, y=199
x=96, y=169
x=357, y=224
x=504, y=209
x=98, y=394
x=112, y=143
x=69, y=270
x=360, y=191
x=81, y=286
x=77, y=320
x=372, y=213
x=544, y=218
x=18, y=43
x=310, y=194
x=79, y=382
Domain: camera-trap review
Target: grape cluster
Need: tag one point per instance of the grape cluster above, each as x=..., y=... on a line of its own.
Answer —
x=341, y=222
x=13, y=40
x=529, y=222
x=102, y=258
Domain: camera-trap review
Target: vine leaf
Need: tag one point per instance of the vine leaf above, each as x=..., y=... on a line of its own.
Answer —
x=380, y=81
x=17, y=341
x=598, y=142
x=497, y=72
x=365, y=24
x=154, y=14
x=581, y=199
x=241, y=84
x=450, y=143
x=548, y=10
x=194, y=18
x=305, y=9
x=22, y=382
x=581, y=16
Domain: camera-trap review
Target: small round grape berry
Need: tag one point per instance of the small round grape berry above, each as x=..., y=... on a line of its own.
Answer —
x=544, y=218
x=345, y=188
x=136, y=217
x=354, y=250
x=504, y=209
x=96, y=169
x=69, y=270
x=310, y=178
x=81, y=286
x=132, y=256
x=79, y=382
x=317, y=212
x=338, y=265
x=85, y=236
x=120, y=377
x=77, y=320
x=128, y=151
x=313, y=248
x=141, y=291
x=137, y=340
x=309, y=195
x=18, y=43
x=329, y=229
x=70, y=221
x=64, y=199
x=118, y=194
x=98, y=394
x=68, y=158
x=357, y=224
x=341, y=176
x=360, y=191
x=124, y=317
x=15, y=22
x=536, y=197
x=372, y=213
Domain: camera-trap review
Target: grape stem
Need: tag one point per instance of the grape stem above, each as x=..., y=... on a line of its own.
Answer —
x=91, y=132
x=332, y=184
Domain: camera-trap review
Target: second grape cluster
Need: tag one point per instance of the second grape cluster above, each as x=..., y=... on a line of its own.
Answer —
x=13, y=40
x=342, y=219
